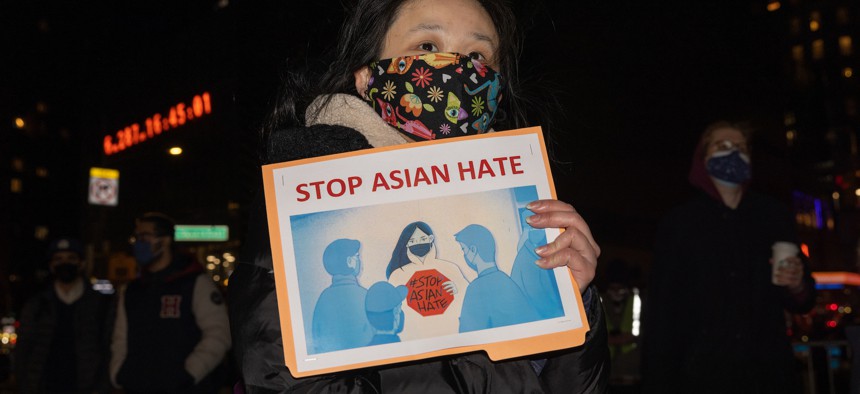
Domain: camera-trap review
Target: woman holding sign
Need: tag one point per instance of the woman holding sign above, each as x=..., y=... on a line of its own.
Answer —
x=459, y=59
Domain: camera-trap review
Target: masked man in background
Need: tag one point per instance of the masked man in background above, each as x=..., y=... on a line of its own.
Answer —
x=171, y=328
x=64, y=334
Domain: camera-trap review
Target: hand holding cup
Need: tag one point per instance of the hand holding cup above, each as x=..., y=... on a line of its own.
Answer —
x=787, y=267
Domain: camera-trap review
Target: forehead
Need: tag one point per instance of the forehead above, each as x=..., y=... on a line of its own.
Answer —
x=418, y=233
x=727, y=133
x=64, y=255
x=466, y=19
x=144, y=227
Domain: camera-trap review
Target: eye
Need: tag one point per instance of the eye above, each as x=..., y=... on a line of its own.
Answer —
x=429, y=47
x=476, y=56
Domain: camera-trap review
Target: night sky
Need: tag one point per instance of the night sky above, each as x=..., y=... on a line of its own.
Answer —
x=637, y=81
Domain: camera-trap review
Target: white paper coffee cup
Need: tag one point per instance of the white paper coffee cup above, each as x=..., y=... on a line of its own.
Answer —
x=781, y=251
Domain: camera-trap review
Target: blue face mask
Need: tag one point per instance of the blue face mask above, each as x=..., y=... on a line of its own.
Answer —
x=420, y=250
x=143, y=253
x=730, y=167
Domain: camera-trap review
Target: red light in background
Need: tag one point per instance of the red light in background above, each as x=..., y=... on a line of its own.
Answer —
x=831, y=323
x=833, y=307
x=804, y=248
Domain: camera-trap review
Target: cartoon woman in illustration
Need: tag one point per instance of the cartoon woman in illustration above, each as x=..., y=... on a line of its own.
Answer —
x=415, y=254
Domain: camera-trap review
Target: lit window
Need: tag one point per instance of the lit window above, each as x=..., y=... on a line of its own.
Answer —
x=818, y=49
x=41, y=232
x=845, y=46
x=16, y=185
x=19, y=123
x=773, y=6
x=797, y=53
x=18, y=164
x=814, y=21
x=842, y=15
x=41, y=172
x=794, y=25
x=790, y=136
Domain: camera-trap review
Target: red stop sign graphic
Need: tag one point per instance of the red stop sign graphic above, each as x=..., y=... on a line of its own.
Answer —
x=426, y=295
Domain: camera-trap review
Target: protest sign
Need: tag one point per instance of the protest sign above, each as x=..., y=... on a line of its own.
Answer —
x=417, y=251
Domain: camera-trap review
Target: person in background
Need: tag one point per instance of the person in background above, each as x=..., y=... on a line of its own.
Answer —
x=171, y=329
x=714, y=318
x=64, y=336
x=622, y=305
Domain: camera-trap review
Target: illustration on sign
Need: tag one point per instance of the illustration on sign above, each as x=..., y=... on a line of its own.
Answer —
x=454, y=279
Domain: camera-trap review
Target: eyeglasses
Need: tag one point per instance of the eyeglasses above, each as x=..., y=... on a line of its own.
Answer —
x=725, y=145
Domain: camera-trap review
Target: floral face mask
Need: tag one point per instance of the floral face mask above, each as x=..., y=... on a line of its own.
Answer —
x=435, y=95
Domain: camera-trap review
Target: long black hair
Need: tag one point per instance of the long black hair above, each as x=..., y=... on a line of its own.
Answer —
x=399, y=257
x=360, y=42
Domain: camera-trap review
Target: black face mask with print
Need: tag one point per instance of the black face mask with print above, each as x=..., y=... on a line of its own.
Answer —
x=435, y=95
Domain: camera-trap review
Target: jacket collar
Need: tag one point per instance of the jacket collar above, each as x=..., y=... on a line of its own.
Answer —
x=350, y=111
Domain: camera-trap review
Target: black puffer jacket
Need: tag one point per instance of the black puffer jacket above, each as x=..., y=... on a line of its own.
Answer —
x=91, y=317
x=258, y=346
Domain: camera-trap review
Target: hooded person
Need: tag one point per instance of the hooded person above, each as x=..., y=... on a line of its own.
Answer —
x=714, y=316
x=63, y=338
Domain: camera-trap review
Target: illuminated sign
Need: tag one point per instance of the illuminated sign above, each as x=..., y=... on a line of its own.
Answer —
x=195, y=233
x=104, y=186
x=177, y=115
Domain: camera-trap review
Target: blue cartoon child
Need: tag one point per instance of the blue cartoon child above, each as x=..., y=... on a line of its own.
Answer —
x=492, y=299
x=383, y=306
x=339, y=320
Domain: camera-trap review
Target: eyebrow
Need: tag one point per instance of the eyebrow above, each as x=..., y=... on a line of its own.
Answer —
x=437, y=27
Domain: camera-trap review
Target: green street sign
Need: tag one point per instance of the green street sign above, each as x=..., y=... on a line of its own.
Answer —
x=196, y=233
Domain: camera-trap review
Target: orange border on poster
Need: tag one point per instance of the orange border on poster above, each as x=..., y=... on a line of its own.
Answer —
x=496, y=351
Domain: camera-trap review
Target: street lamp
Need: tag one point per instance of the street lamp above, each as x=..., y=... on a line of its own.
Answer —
x=175, y=151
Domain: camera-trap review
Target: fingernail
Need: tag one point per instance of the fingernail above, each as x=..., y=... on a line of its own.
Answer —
x=533, y=205
x=533, y=219
x=540, y=249
x=540, y=262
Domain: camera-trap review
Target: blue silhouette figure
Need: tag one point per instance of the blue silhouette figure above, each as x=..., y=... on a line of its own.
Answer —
x=339, y=319
x=538, y=284
x=383, y=306
x=492, y=299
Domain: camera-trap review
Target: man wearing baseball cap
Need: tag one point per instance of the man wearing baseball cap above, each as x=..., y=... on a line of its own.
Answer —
x=64, y=334
x=383, y=305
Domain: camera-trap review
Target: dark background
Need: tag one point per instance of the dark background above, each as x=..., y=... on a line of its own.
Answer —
x=637, y=82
